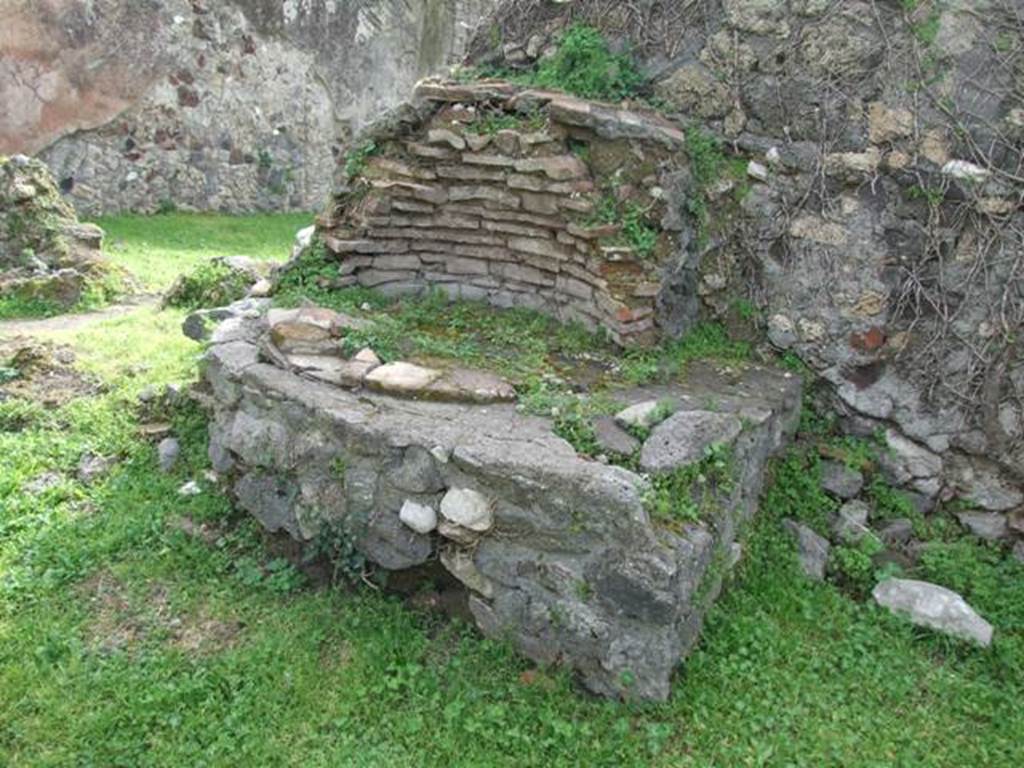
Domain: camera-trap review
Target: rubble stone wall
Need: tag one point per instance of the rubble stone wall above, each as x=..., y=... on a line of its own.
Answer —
x=880, y=235
x=558, y=552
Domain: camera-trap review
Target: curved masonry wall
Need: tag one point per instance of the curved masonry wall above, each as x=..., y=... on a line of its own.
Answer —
x=508, y=215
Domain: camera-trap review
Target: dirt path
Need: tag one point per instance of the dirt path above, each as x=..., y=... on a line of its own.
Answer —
x=75, y=322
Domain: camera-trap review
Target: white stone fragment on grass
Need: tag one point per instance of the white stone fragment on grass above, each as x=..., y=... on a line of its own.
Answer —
x=639, y=415
x=935, y=607
x=191, y=488
x=402, y=378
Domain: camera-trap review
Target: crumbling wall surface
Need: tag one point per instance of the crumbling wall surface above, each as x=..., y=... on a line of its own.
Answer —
x=235, y=105
x=879, y=236
x=47, y=257
x=558, y=552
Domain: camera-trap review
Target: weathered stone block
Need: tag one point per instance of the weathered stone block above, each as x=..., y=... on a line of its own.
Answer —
x=492, y=194
x=558, y=167
x=492, y=160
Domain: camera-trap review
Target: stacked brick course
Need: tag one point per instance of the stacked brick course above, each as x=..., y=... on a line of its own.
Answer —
x=502, y=215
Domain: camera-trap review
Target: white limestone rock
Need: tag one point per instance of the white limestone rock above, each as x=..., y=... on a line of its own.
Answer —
x=935, y=607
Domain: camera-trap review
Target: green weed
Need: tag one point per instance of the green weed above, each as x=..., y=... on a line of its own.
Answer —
x=585, y=66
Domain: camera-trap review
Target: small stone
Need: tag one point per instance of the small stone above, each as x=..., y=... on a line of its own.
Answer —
x=1018, y=551
x=812, y=549
x=156, y=430
x=887, y=124
x=935, y=607
x=191, y=488
x=851, y=522
x=756, y=170
x=614, y=439
x=781, y=331
x=965, y=171
x=419, y=517
x=897, y=532
x=333, y=370
x=643, y=415
x=477, y=141
x=261, y=288
x=840, y=481
x=557, y=168
x=468, y=509
x=92, y=467
x=402, y=378
x=470, y=386
x=459, y=564
x=167, y=454
x=684, y=438
x=303, y=239
x=990, y=526
x=367, y=355
x=444, y=136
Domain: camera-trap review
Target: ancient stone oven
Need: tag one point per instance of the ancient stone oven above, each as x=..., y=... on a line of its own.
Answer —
x=521, y=199
x=515, y=197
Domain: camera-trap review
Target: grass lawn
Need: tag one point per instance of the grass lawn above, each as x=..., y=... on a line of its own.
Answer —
x=139, y=627
x=156, y=249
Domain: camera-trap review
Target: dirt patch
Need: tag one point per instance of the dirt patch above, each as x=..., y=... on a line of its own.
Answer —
x=120, y=622
x=41, y=372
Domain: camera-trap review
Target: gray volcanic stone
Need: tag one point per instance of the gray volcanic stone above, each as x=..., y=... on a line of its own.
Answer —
x=812, y=549
x=897, y=532
x=685, y=437
x=935, y=607
x=393, y=545
x=851, y=522
x=990, y=526
x=524, y=521
x=841, y=481
x=614, y=439
x=167, y=453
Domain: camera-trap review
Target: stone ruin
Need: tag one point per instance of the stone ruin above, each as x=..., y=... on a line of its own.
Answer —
x=558, y=552
x=47, y=257
x=493, y=193
x=583, y=211
x=879, y=234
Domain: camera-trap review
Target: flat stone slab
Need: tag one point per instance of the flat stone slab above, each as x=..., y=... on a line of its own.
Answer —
x=402, y=379
x=334, y=370
x=557, y=551
x=614, y=439
x=685, y=437
x=935, y=607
